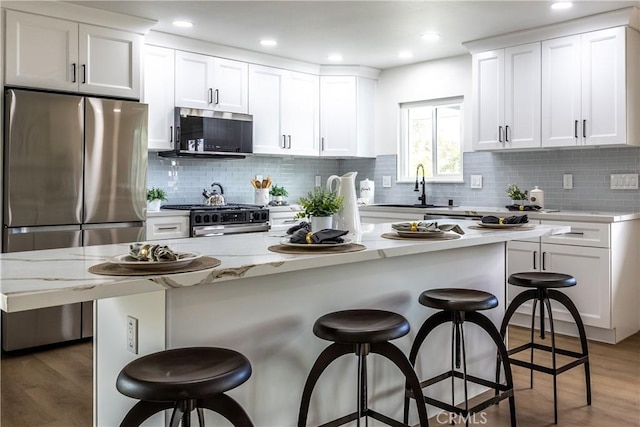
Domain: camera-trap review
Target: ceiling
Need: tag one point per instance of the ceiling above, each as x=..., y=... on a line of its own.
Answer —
x=369, y=33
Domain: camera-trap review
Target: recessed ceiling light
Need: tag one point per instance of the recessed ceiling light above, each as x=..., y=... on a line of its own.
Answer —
x=430, y=36
x=405, y=54
x=335, y=57
x=183, y=24
x=268, y=42
x=561, y=5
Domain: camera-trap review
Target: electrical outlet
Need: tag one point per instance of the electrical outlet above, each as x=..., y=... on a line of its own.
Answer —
x=624, y=181
x=318, y=181
x=132, y=334
x=567, y=181
x=386, y=181
x=476, y=181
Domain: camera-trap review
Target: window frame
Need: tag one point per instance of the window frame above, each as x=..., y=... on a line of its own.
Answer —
x=403, y=143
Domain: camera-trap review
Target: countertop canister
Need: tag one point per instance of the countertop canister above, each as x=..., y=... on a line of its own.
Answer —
x=536, y=197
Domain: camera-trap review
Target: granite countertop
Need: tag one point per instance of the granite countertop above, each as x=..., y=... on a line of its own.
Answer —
x=562, y=215
x=48, y=278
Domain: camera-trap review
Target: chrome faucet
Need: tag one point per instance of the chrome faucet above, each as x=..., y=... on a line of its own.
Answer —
x=423, y=196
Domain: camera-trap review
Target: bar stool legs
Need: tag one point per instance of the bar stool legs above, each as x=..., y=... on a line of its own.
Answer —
x=543, y=296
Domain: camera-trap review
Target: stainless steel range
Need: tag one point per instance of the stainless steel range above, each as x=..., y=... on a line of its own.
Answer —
x=224, y=219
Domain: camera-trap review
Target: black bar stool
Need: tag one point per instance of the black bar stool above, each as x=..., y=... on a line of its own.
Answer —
x=543, y=284
x=185, y=379
x=458, y=306
x=361, y=332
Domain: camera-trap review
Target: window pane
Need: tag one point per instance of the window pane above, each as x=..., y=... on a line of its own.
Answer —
x=421, y=139
x=448, y=140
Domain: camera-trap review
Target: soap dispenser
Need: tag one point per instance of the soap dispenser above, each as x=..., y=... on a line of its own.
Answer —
x=536, y=197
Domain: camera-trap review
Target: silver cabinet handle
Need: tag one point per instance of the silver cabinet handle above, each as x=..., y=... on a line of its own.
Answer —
x=167, y=228
x=284, y=141
x=584, y=128
x=575, y=130
x=574, y=233
x=170, y=133
x=499, y=133
x=210, y=96
x=73, y=72
x=289, y=138
x=506, y=133
x=216, y=96
x=84, y=73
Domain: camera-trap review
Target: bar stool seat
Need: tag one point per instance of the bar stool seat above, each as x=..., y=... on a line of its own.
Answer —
x=543, y=287
x=458, y=306
x=361, y=332
x=185, y=379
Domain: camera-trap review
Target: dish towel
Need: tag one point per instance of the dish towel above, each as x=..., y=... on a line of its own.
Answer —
x=515, y=219
x=328, y=235
x=427, y=226
x=523, y=208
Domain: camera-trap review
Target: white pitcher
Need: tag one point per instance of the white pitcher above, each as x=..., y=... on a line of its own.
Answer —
x=348, y=217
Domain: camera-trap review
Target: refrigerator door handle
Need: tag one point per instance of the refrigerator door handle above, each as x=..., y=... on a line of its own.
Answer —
x=113, y=225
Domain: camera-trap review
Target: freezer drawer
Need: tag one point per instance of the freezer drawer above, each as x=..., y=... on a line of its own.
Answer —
x=38, y=238
x=43, y=326
x=105, y=234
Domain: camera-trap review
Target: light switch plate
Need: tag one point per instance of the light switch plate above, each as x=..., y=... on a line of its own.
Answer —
x=476, y=181
x=386, y=181
x=567, y=181
x=132, y=334
x=318, y=181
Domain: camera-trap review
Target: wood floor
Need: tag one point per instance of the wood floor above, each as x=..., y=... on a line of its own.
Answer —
x=53, y=388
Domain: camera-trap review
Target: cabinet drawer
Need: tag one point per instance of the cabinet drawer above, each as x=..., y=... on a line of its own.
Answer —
x=581, y=234
x=167, y=227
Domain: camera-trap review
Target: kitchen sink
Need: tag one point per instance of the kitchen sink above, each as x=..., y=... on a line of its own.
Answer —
x=414, y=206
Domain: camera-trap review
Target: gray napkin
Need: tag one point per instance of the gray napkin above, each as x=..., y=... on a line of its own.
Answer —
x=427, y=226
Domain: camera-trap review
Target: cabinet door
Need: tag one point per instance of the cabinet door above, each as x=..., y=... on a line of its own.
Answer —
x=265, y=100
x=300, y=113
x=193, y=87
x=338, y=115
x=109, y=61
x=521, y=256
x=230, y=86
x=604, y=87
x=158, y=94
x=41, y=52
x=167, y=227
x=522, y=96
x=488, y=100
x=561, y=92
x=592, y=269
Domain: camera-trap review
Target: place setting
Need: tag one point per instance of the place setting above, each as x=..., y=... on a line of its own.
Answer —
x=302, y=240
x=514, y=223
x=146, y=259
x=424, y=230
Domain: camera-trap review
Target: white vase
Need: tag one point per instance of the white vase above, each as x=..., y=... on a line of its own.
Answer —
x=321, y=222
x=154, y=205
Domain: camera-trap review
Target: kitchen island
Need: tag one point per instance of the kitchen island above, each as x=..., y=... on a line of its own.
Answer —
x=264, y=304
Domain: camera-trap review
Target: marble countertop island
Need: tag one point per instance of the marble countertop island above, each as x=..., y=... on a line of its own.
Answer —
x=48, y=278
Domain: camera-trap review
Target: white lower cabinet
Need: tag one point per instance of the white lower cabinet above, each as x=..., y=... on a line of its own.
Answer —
x=607, y=286
x=168, y=227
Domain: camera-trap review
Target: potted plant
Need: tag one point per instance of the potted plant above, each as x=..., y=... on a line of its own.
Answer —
x=319, y=206
x=278, y=193
x=517, y=196
x=155, y=196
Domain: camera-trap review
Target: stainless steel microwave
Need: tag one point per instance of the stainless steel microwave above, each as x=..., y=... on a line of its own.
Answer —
x=210, y=134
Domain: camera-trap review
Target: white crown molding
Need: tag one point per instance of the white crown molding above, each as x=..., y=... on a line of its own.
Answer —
x=350, y=70
x=629, y=16
x=87, y=15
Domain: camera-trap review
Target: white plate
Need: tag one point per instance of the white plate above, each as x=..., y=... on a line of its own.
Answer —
x=184, y=258
x=502, y=225
x=315, y=245
x=420, y=234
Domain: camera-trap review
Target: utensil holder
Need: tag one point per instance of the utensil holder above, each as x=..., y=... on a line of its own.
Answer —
x=262, y=196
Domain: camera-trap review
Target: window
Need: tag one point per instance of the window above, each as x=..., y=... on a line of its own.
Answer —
x=431, y=135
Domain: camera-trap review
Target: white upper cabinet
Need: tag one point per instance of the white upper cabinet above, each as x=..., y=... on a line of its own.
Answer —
x=159, y=79
x=506, y=98
x=589, y=96
x=347, y=113
x=284, y=105
x=62, y=55
x=209, y=83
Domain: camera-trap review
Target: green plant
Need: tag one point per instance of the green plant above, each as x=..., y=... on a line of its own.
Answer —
x=319, y=203
x=514, y=192
x=156, y=194
x=278, y=191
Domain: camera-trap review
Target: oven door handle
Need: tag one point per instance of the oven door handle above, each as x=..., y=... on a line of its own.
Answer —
x=213, y=230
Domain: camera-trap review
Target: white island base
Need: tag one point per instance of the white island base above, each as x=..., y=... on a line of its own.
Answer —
x=269, y=319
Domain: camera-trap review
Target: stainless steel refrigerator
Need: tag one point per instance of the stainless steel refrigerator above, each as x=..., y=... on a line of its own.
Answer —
x=74, y=174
